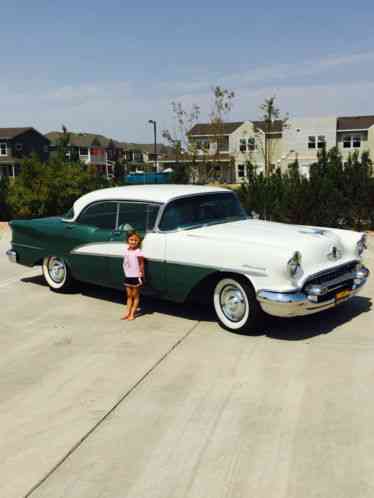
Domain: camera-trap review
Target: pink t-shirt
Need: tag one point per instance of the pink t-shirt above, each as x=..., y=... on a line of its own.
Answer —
x=131, y=265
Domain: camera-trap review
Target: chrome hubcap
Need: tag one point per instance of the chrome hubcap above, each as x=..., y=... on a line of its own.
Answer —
x=233, y=303
x=56, y=270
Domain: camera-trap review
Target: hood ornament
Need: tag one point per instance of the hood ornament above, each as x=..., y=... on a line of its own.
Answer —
x=335, y=253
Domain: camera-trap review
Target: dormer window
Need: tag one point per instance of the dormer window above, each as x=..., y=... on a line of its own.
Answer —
x=3, y=149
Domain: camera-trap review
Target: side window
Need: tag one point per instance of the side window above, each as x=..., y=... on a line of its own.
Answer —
x=140, y=216
x=100, y=215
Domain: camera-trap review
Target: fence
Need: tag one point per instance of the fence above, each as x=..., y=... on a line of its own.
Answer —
x=147, y=178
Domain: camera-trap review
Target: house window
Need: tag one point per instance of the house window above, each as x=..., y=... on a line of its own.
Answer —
x=18, y=147
x=243, y=145
x=251, y=144
x=321, y=141
x=311, y=142
x=202, y=143
x=3, y=149
x=356, y=142
x=241, y=171
x=223, y=144
x=83, y=151
x=347, y=142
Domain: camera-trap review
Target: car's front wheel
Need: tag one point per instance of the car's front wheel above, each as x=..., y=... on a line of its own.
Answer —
x=56, y=273
x=236, y=305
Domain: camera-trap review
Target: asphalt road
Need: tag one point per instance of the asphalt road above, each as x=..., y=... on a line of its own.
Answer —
x=171, y=406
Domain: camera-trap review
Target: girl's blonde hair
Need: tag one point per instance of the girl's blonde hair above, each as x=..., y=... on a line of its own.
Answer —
x=137, y=235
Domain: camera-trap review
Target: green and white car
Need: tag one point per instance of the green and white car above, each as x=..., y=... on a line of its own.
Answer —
x=198, y=243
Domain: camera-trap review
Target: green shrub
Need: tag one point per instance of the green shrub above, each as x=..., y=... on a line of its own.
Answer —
x=334, y=195
x=49, y=189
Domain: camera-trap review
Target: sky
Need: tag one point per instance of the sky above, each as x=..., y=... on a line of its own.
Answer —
x=108, y=67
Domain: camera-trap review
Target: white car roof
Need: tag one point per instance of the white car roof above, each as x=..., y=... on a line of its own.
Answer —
x=149, y=193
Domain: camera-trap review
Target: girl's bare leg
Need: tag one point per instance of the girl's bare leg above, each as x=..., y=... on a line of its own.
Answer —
x=128, y=303
x=135, y=303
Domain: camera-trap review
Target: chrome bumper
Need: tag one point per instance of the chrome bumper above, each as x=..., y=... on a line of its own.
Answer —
x=12, y=255
x=287, y=304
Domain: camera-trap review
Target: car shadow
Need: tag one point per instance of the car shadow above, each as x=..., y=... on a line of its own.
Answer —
x=287, y=329
x=325, y=322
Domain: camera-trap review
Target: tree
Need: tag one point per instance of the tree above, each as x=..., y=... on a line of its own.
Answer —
x=265, y=143
x=177, y=139
x=195, y=156
x=221, y=107
x=49, y=189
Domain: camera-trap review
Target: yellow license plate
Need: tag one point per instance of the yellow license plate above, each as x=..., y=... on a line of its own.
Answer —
x=342, y=294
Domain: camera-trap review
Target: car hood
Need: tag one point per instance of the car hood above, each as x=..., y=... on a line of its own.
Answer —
x=314, y=243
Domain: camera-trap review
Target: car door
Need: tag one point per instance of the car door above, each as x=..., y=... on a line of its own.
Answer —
x=139, y=217
x=89, y=238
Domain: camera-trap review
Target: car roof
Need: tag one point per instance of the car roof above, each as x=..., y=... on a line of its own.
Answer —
x=148, y=193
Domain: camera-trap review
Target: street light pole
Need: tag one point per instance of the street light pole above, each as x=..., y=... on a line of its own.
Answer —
x=152, y=121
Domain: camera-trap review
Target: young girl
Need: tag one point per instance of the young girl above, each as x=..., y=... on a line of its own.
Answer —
x=133, y=267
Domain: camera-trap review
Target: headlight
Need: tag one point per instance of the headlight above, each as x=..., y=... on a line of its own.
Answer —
x=362, y=244
x=294, y=265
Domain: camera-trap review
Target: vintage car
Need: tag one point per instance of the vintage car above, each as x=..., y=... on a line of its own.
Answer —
x=199, y=243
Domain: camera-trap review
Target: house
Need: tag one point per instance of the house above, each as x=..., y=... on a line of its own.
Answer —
x=18, y=143
x=91, y=149
x=229, y=147
x=355, y=134
x=303, y=138
x=226, y=148
x=142, y=157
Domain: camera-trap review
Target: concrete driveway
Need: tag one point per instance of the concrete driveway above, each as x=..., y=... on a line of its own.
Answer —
x=171, y=406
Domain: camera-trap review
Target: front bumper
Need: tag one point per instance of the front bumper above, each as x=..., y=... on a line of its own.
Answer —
x=12, y=255
x=299, y=303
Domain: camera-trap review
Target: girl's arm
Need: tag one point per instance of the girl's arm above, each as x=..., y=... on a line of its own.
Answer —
x=141, y=265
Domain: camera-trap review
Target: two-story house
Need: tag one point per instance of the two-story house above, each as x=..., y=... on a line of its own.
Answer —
x=91, y=149
x=18, y=143
x=228, y=147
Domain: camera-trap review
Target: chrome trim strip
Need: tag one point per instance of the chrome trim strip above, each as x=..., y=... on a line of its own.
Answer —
x=28, y=246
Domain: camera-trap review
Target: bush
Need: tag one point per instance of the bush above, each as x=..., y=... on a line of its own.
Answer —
x=4, y=209
x=49, y=189
x=334, y=195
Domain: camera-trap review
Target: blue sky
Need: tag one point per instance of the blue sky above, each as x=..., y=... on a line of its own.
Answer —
x=108, y=67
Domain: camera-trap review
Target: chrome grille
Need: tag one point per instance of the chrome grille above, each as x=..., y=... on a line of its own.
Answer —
x=338, y=278
x=327, y=276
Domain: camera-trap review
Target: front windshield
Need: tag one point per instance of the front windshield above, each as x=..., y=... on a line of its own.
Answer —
x=200, y=210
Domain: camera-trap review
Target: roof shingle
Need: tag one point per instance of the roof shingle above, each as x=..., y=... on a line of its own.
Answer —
x=354, y=122
x=9, y=133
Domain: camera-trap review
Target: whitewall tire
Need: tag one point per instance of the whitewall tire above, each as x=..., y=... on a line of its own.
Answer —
x=235, y=305
x=56, y=273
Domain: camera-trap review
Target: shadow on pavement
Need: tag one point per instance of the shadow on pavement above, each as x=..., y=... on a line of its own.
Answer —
x=289, y=329
x=325, y=322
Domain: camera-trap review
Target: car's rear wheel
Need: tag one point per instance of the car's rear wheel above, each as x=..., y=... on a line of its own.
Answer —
x=56, y=273
x=236, y=305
